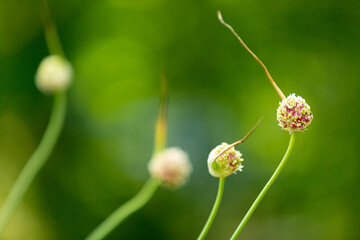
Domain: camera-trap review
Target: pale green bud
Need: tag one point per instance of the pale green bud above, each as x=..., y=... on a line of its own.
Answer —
x=54, y=74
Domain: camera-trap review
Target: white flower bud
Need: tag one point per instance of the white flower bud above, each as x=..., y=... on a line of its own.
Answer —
x=227, y=163
x=171, y=166
x=54, y=75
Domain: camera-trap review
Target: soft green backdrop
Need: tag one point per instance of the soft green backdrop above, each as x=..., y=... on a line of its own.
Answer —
x=217, y=93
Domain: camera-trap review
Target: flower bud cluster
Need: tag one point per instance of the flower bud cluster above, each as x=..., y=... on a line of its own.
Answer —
x=171, y=167
x=294, y=114
x=227, y=163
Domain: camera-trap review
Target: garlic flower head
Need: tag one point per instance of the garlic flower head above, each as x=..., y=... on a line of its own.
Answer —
x=227, y=163
x=294, y=114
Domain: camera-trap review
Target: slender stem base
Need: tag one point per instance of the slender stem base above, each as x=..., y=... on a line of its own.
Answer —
x=125, y=210
x=36, y=161
x=214, y=209
x=265, y=189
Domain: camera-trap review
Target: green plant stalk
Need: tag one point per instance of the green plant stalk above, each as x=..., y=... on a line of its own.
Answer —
x=214, y=209
x=36, y=161
x=125, y=210
x=150, y=186
x=50, y=30
x=265, y=189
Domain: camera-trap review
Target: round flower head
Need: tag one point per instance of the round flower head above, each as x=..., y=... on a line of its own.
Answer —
x=171, y=166
x=227, y=163
x=54, y=74
x=294, y=114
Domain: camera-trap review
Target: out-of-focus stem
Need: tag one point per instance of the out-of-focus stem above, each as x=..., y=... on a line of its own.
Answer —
x=50, y=30
x=125, y=210
x=51, y=135
x=36, y=161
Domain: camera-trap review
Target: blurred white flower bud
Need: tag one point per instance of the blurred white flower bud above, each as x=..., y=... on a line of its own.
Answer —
x=54, y=74
x=171, y=166
x=227, y=163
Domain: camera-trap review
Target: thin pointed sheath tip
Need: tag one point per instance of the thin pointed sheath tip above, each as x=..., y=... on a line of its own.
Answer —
x=278, y=90
x=225, y=160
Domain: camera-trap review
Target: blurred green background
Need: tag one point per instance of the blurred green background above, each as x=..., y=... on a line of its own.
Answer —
x=217, y=93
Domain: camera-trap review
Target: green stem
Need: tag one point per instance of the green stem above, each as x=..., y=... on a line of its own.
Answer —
x=265, y=189
x=125, y=210
x=214, y=209
x=51, y=34
x=36, y=161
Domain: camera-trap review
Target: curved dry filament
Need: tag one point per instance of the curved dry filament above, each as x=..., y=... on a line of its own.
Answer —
x=253, y=54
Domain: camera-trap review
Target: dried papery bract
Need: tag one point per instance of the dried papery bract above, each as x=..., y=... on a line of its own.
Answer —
x=161, y=122
x=253, y=54
x=224, y=160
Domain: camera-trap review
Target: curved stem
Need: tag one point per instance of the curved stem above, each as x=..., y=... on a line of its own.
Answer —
x=265, y=189
x=214, y=209
x=36, y=161
x=125, y=210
